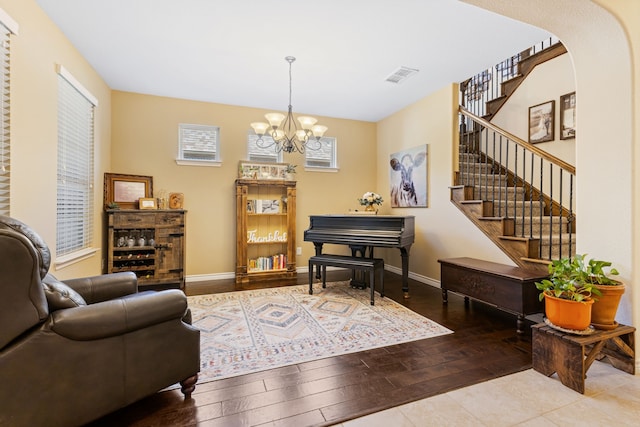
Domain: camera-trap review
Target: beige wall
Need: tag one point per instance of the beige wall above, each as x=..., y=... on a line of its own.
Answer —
x=35, y=51
x=145, y=132
x=442, y=231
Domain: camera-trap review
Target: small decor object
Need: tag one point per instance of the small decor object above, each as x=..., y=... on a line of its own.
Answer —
x=176, y=200
x=408, y=178
x=131, y=242
x=568, y=116
x=163, y=202
x=147, y=203
x=541, y=122
x=369, y=199
x=126, y=190
x=142, y=241
x=290, y=172
x=113, y=206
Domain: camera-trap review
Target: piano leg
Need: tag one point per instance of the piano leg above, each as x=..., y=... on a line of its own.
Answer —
x=318, y=246
x=404, y=252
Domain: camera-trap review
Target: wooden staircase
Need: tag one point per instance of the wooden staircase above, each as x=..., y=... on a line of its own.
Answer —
x=528, y=226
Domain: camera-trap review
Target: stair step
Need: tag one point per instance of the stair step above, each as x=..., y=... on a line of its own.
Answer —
x=515, y=209
x=492, y=192
x=468, y=157
x=475, y=167
x=544, y=225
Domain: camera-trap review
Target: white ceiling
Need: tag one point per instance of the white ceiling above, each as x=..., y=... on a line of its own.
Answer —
x=232, y=52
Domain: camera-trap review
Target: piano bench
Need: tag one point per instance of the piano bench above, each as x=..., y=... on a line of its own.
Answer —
x=372, y=265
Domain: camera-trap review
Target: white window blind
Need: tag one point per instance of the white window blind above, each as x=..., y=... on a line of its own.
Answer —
x=323, y=158
x=75, y=166
x=259, y=154
x=5, y=128
x=199, y=143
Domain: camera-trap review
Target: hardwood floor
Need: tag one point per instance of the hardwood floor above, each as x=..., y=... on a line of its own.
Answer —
x=484, y=345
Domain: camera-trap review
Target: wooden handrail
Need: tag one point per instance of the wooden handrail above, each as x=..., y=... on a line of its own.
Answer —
x=543, y=154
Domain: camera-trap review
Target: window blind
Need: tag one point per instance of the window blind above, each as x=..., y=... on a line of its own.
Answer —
x=75, y=168
x=263, y=155
x=199, y=142
x=325, y=157
x=5, y=128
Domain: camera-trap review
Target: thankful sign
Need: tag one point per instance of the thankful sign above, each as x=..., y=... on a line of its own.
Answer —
x=276, y=236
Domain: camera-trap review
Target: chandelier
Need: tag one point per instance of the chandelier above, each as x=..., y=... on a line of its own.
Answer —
x=284, y=132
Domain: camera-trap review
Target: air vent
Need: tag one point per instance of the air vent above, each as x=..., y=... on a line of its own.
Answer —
x=401, y=74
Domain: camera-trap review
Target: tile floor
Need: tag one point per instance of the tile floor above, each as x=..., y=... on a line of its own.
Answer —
x=528, y=398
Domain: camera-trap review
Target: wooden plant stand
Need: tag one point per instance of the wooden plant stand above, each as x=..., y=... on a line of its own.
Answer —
x=571, y=355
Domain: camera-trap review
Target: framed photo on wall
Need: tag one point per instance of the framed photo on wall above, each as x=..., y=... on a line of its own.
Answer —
x=126, y=190
x=408, y=177
x=568, y=116
x=541, y=123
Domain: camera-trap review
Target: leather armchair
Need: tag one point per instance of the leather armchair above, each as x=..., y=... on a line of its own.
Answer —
x=73, y=351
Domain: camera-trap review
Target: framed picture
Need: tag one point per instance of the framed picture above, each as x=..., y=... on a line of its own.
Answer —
x=568, y=116
x=255, y=170
x=408, y=178
x=126, y=190
x=147, y=203
x=541, y=123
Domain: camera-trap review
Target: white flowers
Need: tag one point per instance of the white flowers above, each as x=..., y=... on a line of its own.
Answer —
x=369, y=198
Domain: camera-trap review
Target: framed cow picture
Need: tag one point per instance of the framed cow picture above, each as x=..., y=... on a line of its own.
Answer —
x=408, y=178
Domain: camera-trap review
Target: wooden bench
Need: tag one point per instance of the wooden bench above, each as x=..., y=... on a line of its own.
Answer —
x=510, y=289
x=375, y=266
x=571, y=355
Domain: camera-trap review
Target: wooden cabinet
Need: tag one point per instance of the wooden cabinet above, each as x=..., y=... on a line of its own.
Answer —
x=149, y=243
x=266, y=231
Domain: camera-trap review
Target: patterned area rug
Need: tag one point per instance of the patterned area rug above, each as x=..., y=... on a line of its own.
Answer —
x=251, y=331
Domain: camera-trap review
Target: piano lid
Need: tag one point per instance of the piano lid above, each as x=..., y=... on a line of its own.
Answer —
x=369, y=230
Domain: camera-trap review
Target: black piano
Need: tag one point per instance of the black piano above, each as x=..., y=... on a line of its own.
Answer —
x=364, y=232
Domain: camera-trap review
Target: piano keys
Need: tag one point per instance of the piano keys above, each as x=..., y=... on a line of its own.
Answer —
x=360, y=232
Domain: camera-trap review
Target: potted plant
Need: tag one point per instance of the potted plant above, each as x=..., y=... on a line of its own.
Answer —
x=290, y=172
x=568, y=294
x=603, y=312
x=578, y=280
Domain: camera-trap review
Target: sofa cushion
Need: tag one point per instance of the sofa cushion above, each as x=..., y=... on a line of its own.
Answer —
x=60, y=295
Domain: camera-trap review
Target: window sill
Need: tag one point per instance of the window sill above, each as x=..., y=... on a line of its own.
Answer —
x=207, y=163
x=67, y=260
x=315, y=169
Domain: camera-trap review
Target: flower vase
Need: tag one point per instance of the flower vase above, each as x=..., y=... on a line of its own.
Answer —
x=369, y=208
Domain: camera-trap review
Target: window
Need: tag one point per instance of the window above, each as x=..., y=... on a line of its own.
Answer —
x=74, y=234
x=198, y=145
x=7, y=27
x=323, y=158
x=264, y=155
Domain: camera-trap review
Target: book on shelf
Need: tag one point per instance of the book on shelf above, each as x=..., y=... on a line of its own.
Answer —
x=274, y=262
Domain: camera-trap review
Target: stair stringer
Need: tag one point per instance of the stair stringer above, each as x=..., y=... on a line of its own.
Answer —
x=521, y=250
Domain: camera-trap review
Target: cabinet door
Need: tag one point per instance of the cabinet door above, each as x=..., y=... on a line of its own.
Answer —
x=169, y=253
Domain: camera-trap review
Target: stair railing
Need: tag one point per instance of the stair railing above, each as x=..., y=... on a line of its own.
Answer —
x=487, y=85
x=524, y=183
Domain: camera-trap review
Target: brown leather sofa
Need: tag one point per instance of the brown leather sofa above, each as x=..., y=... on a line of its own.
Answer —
x=73, y=351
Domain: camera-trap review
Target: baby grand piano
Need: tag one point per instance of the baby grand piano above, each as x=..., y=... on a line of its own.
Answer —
x=362, y=232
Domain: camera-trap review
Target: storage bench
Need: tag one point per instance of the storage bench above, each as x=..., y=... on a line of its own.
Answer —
x=508, y=288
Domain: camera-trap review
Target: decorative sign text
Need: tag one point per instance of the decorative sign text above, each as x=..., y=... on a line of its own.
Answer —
x=276, y=236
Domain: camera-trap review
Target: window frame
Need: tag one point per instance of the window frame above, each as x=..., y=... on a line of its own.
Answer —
x=9, y=29
x=333, y=161
x=253, y=138
x=182, y=161
x=82, y=246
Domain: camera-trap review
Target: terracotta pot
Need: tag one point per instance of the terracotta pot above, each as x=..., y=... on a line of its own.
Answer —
x=603, y=313
x=568, y=314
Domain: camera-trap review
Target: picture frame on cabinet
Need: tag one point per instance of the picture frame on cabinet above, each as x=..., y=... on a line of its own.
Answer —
x=541, y=122
x=568, y=116
x=262, y=171
x=147, y=203
x=126, y=190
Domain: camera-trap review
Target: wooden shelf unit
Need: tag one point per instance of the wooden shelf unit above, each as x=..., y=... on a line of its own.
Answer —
x=266, y=231
x=157, y=265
